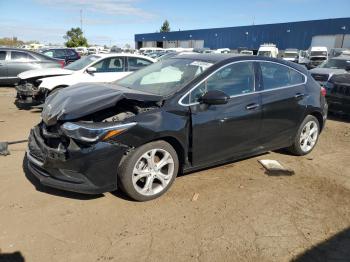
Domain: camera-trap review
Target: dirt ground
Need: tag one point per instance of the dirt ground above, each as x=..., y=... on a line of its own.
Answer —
x=241, y=214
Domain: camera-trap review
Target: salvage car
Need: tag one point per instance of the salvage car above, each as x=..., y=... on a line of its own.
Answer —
x=178, y=115
x=338, y=94
x=35, y=85
x=14, y=61
x=333, y=66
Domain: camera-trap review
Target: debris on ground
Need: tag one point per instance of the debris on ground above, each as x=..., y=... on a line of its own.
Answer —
x=274, y=168
x=4, y=146
x=195, y=197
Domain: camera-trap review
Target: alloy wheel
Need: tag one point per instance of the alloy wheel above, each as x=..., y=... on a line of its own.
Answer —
x=152, y=172
x=308, y=136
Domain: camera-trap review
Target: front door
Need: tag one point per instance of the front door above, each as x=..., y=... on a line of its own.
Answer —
x=223, y=132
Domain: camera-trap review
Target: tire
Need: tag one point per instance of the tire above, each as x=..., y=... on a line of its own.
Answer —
x=305, y=142
x=143, y=179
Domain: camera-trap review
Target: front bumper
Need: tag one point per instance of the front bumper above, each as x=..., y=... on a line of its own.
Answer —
x=89, y=170
x=28, y=96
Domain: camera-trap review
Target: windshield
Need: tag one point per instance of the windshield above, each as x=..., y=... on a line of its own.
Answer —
x=290, y=55
x=318, y=53
x=165, y=77
x=265, y=53
x=336, y=64
x=82, y=63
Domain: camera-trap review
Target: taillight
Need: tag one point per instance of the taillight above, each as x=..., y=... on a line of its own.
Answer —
x=62, y=63
x=323, y=91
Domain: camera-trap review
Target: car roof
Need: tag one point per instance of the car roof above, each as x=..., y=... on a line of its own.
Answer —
x=212, y=58
x=122, y=54
x=228, y=58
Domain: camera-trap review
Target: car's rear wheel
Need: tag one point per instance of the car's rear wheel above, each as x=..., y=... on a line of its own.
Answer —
x=149, y=171
x=307, y=136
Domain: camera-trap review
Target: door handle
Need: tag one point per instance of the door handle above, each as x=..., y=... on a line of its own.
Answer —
x=299, y=96
x=252, y=106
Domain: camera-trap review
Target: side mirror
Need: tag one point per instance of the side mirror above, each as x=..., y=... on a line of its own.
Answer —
x=91, y=70
x=214, y=97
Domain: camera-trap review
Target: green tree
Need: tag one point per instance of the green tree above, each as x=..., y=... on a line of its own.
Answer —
x=165, y=27
x=75, y=38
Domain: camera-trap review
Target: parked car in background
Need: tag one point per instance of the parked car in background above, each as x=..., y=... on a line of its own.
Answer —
x=334, y=52
x=291, y=55
x=69, y=55
x=222, y=51
x=148, y=50
x=95, y=50
x=334, y=66
x=178, y=115
x=268, y=50
x=115, y=49
x=36, y=85
x=246, y=52
x=82, y=50
x=14, y=61
x=338, y=94
x=303, y=58
x=317, y=55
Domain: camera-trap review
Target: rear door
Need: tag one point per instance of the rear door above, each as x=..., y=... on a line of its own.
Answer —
x=3, y=66
x=136, y=63
x=110, y=69
x=222, y=132
x=283, y=103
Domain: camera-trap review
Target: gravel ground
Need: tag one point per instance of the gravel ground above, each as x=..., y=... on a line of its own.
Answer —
x=241, y=213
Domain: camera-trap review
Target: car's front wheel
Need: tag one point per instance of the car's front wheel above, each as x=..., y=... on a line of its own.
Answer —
x=307, y=136
x=149, y=171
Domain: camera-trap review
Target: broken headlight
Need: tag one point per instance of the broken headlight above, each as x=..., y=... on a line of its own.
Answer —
x=92, y=132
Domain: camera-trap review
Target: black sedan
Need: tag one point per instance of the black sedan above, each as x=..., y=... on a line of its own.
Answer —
x=69, y=55
x=14, y=61
x=178, y=115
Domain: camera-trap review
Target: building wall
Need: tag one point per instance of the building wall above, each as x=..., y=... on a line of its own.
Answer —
x=284, y=35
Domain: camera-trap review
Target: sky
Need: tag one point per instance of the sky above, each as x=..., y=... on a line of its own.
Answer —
x=114, y=22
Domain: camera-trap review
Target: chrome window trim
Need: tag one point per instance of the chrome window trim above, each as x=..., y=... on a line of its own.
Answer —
x=254, y=92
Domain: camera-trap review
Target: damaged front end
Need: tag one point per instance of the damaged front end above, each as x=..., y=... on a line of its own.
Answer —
x=29, y=94
x=81, y=150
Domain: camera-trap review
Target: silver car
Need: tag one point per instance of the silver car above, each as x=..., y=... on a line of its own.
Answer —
x=14, y=61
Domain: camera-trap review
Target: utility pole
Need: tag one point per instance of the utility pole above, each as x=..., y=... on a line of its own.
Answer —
x=81, y=19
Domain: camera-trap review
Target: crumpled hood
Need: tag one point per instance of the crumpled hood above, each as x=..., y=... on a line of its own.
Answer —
x=45, y=72
x=328, y=71
x=86, y=98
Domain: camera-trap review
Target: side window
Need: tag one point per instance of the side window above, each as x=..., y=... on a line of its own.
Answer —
x=49, y=53
x=113, y=64
x=70, y=52
x=276, y=75
x=135, y=63
x=21, y=56
x=235, y=79
x=2, y=55
x=59, y=53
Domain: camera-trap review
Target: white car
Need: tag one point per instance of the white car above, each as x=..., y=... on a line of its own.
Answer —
x=36, y=85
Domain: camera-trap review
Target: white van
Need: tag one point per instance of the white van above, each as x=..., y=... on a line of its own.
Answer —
x=268, y=50
x=317, y=55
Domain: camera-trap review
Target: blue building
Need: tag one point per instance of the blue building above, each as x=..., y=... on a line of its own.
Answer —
x=300, y=35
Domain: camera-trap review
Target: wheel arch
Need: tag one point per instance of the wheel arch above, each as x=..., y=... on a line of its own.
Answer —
x=319, y=117
x=179, y=148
